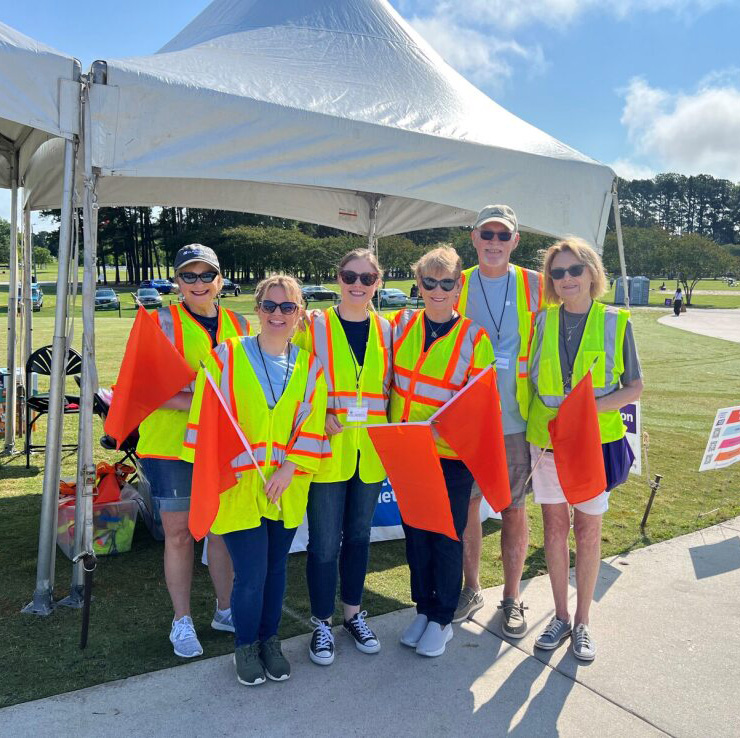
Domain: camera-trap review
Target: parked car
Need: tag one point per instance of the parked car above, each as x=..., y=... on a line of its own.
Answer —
x=314, y=293
x=106, y=299
x=37, y=298
x=148, y=297
x=163, y=286
x=230, y=287
x=391, y=297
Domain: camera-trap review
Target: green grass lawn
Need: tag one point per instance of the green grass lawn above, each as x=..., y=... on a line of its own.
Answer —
x=687, y=378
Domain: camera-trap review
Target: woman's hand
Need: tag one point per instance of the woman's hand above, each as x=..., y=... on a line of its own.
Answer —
x=332, y=426
x=279, y=482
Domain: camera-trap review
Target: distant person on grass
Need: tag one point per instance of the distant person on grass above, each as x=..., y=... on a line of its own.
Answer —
x=194, y=326
x=677, y=301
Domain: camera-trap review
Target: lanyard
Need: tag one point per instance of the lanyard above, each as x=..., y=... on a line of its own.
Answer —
x=496, y=325
x=570, y=363
x=355, y=364
x=267, y=374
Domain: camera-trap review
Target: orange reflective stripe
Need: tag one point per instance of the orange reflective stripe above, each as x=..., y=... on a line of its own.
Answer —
x=177, y=328
x=340, y=410
x=386, y=355
x=462, y=289
x=408, y=327
x=232, y=398
x=427, y=379
x=330, y=349
x=217, y=359
x=540, y=297
x=455, y=355
x=525, y=280
x=189, y=317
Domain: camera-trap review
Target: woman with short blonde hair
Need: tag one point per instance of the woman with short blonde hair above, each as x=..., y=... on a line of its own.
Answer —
x=586, y=256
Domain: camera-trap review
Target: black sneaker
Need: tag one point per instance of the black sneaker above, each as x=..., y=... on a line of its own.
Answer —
x=365, y=640
x=321, y=648
x=249, y=669
x=277, y=667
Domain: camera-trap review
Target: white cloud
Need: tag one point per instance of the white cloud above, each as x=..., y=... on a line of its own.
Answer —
x=628, y=169
x=686, y=132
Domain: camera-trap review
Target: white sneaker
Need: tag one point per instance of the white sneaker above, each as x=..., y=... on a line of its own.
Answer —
x=435, y=640
x=223, y=620
x=410, y=637
x=183, y=638
x=583, y=646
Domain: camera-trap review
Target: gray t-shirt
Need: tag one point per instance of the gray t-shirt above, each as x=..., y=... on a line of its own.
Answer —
x=273, y=372
x=571, y=333
x=492, y=306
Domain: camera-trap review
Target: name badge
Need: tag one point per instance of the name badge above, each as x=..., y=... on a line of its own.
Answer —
x=502, y=360
x=357, y=415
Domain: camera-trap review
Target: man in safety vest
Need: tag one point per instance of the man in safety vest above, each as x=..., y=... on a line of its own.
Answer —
x=504, y=299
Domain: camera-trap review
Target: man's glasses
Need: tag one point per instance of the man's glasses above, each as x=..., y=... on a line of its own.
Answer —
x=193, y=277
x=429, y=283
x=367, y=278
x=286, y=308
x=491, y=235
x=575, y=270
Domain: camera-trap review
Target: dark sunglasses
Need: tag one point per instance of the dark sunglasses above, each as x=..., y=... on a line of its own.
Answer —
x=286, y=308
x=367, y=278
x=429, y=283
x=193, y=277
x=491, y=235
x=575, y=270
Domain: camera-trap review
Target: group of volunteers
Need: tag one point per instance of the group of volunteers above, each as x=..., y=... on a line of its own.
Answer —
x=305, y=388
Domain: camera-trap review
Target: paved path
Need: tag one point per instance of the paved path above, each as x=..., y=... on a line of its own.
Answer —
x=666, y=621
x=714, y=323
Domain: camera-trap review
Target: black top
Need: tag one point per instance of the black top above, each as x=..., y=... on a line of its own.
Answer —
x=433, y=331
x=210, y=324
x=357, y=333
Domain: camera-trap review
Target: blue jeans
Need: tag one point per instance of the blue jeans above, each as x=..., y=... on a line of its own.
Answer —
x=339, y=518
x=260, y=558
x=435, y=561
x=169, y=481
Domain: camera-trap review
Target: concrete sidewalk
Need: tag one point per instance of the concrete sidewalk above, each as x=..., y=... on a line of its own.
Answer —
x=666, y=621
x=723, y=324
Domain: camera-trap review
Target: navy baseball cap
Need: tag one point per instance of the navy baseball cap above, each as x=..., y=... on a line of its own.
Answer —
x=196, y=252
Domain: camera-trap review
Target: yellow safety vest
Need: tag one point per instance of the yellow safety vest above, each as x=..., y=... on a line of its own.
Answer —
x=602, y=343
x=424, y=380
x=291, y=431
x=162, y=433
x=529, y=292
x=326, y=339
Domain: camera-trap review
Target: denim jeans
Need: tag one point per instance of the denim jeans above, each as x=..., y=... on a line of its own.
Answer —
x=435, y=561
x=339, y=518
x=260, y=558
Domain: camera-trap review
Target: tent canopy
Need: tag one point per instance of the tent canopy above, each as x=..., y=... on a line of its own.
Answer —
x=36, y=82
x=303, y=110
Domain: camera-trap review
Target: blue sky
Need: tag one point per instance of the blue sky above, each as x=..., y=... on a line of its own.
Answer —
x=646, y=86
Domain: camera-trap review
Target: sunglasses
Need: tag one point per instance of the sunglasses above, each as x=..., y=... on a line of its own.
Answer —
x=491, y=235
x=193, y=277
x=286, y=308
x=575, y=270
x=367, y=278
x=430, y=283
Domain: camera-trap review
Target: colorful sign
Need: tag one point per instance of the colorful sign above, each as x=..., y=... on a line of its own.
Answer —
x=723, y=446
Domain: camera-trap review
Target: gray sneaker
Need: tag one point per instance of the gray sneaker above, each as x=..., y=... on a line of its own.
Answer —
x=183, y=638
x=414, y=631
x=583, y=646
x=514, y=625
x=471, y=600
x=555, y=632
x=249, y=669
x=277, y=667
x=434, y=639
x=223, y=620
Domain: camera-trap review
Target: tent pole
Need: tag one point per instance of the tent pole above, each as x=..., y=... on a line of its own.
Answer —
x=27, y=302
x=372, y=239
x=620, y=245
x=10, y=390
x=43, y=601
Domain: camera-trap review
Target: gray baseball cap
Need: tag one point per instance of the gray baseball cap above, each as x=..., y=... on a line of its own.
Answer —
x=497, y=214
x=196, y=252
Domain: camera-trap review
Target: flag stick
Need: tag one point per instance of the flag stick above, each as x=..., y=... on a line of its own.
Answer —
x=480, y=375
x=536, y=464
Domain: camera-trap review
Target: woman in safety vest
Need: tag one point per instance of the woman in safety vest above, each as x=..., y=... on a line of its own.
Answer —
x=194, y=326
x=277, y=393
x=435, y=352
x=353, y=344
x=573, y=335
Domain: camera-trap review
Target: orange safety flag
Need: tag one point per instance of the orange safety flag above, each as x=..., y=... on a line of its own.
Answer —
x=410, y=458
x=152, y=372
x=471, y=424
x=576, y=444
x=220, y=441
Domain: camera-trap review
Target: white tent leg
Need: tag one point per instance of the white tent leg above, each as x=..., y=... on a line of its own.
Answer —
x=27, y=339
x=372, y=238
x=43, y=602
x=10, y=391
x=620, y=245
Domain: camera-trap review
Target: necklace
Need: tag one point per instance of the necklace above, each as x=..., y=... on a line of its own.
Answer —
x=267, y=374
x=570, y=362
x=496, y=325
x=571, y=329
x=440, y=326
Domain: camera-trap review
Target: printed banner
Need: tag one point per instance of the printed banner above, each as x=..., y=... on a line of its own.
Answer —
x=631, y=417
x=723, y=447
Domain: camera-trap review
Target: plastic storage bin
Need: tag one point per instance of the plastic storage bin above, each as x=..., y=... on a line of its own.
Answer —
x=113, y=527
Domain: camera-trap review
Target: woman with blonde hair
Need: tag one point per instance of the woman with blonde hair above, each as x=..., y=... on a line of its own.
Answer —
x=436, y=351
x=277, y=393
x=576, y=334
x=353, y=344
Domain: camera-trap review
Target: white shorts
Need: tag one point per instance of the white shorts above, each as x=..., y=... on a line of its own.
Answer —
x=547, y=490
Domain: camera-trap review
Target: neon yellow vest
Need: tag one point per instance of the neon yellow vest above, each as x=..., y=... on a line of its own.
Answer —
x=162, y=433
x=529, y=290
x=602, y=343
x=325, y=337
x=291, y=431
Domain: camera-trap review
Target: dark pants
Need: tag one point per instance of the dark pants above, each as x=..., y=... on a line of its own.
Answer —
x=435, y=561
x=260, y=558
x=340, y=515
x=677, y=307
